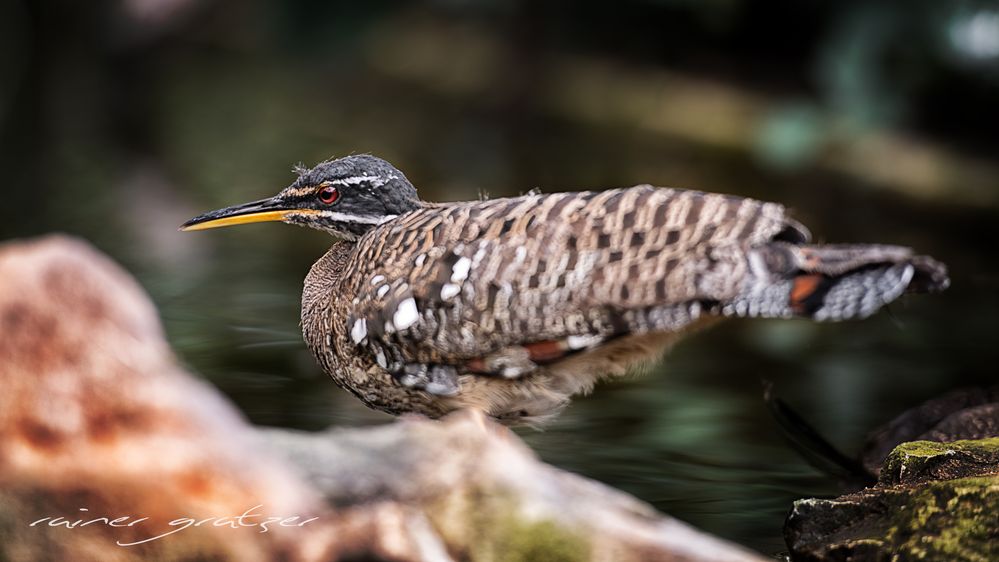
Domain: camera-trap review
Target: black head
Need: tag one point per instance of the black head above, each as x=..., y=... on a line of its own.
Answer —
x=345, y=197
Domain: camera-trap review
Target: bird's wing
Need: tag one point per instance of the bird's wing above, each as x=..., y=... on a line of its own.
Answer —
x=453, y=284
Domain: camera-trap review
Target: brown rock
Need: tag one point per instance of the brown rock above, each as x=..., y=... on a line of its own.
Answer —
x=95, y=415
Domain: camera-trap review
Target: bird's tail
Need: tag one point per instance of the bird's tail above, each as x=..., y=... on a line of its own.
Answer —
x=831, y=282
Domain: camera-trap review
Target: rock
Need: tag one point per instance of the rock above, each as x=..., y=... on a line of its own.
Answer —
x=976, y=422
x=967, y=413
x=105, y=441
x=919, y=461
x=934, y=501
x=489, y=496
x=97, y=420
x=936, y=496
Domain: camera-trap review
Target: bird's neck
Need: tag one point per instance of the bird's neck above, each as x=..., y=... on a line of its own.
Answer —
x=321, y=285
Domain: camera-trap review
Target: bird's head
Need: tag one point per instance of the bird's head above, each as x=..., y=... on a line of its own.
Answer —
x=345, y=197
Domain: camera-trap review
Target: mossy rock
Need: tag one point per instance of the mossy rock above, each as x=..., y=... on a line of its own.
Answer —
x=919, y=461
x=916, y=512
x=488, y=526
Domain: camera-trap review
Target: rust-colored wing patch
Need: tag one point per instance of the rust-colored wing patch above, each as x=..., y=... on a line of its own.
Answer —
x=805, y=289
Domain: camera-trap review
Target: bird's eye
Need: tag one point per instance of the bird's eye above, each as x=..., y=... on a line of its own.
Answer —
x=329, y=194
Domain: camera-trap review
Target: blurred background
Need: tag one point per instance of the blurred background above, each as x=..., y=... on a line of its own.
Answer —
x=873, y=121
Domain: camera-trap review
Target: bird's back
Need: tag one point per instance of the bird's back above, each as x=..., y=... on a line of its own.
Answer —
x=545, y=267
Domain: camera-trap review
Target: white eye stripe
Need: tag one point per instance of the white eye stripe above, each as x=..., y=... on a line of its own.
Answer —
x=357, y=219
x=299, y=191
x=376, y=181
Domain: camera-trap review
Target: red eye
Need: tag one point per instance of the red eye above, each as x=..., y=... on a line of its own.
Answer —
x=329, y=194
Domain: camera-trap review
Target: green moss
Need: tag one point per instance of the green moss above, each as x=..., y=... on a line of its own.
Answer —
x=518, y=540
x=955, y=520
x=934, y=448
x=914, y=457
x=946, y=520
x=489, y=527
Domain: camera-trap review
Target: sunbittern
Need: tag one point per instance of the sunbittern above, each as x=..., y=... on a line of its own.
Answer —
x=511, y=306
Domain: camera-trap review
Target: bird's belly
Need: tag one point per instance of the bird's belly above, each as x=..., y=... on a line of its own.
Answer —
x=532, y=399
x=542, y=394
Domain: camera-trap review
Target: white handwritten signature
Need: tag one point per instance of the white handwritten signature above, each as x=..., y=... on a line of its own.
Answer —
x=180, y=523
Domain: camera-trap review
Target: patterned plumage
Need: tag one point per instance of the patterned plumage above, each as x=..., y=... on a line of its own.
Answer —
x=513, y=305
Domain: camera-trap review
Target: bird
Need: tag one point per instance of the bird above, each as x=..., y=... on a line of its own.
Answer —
x=511, y=306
